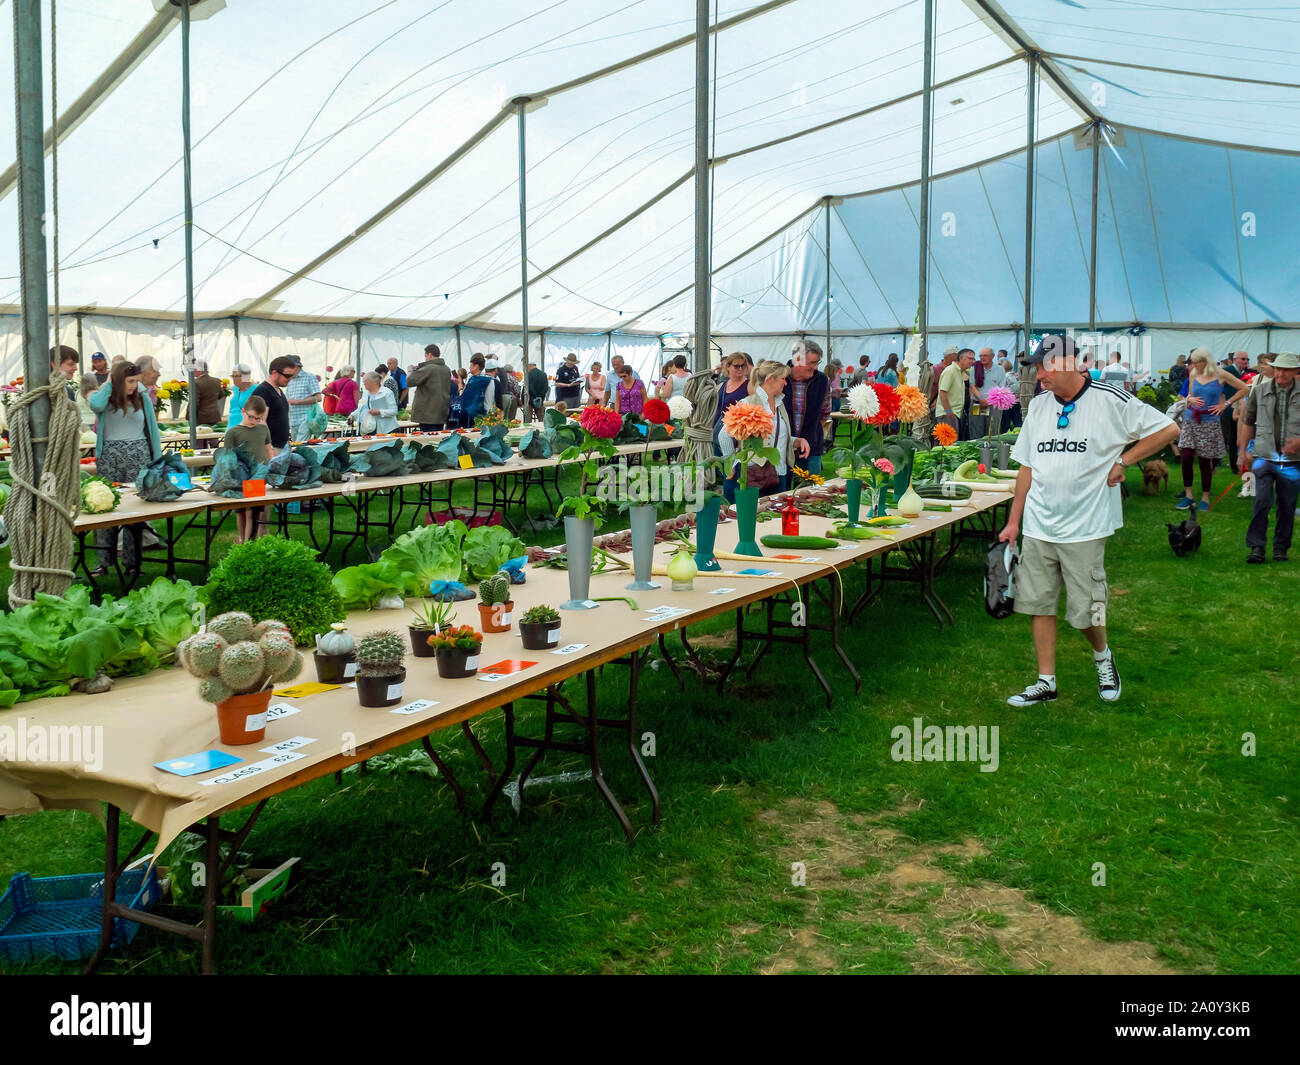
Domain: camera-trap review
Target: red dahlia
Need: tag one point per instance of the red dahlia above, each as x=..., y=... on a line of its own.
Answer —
x=890, y=404
x=601, y=422
x=656, y=411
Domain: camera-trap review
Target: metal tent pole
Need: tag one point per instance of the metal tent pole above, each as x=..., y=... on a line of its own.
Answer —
x=520, y=102
x=927, y=106
x=234, y=322
x=460, y=357
x=81, y=350
x=1092, y=257
x=356, y=326
x=29, y=115
x=703, y=292
x=1029, y=197
x=827, y=353
x=187, y=345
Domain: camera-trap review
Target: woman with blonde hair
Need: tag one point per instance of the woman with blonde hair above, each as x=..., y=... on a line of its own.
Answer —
x=767, y=389
x=1202, y=437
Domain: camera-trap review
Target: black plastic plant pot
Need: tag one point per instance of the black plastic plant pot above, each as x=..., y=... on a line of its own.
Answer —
x=381, y=691
x=420, y=642
x=454, y=663
x=335, y=669
x=540, y=635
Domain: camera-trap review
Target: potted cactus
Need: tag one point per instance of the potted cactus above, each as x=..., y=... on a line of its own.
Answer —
x=457, y=651
x=380, y=673
x=540, y=628
x=335, y=655
x=433, y=616
x=237, y=662
x=495, y=603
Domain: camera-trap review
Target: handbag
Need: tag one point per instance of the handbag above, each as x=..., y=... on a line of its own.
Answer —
x=762, y=475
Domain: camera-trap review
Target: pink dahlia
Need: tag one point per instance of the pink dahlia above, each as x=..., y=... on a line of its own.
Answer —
x=601, y=422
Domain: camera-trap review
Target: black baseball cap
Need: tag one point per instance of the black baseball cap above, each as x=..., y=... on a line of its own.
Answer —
x=1052, y=346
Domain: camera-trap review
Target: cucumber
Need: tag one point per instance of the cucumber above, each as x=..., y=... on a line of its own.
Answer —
x=1005, y=475
x=970, y=471
x=811, y=543
x=943, y=491
x=938, y=506
x=857, y=532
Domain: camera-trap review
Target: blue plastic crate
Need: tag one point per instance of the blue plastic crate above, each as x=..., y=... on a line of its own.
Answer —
x=63, y=916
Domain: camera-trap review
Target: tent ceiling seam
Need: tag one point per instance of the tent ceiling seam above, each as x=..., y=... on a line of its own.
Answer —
x=1011, y=266
x=1069, y=195
x=933, y=260
x=1155, y=228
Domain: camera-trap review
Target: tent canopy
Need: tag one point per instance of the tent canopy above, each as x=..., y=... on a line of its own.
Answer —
x=359, y=161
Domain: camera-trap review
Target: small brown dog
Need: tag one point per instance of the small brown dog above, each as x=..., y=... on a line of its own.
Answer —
x=1153, y=472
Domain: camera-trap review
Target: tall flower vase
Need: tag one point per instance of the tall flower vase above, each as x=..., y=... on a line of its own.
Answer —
x=1004, y=455
x=903, y=477
x=578, y=536
x=176, y=408
x=706, y=535
x=880, y=509
x=747, y=519
x=986, y=455
x=641, y=520
x=853, y=498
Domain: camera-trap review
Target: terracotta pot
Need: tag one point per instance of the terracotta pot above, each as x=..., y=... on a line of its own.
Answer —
x=335, y=669
x=381, y=691
x=495, y=618
x=540, y=636
x=454, y=663
x=241, y=719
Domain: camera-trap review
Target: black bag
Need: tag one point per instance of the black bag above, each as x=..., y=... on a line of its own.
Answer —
x=762, y=475
x=1000, y=580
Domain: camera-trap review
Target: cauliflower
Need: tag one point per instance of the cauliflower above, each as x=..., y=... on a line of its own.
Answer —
x=98, y=498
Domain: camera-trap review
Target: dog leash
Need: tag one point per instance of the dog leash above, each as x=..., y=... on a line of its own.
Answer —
x=1225, y=492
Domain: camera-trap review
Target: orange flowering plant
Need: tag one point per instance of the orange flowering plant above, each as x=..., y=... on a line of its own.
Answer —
x=750, y=425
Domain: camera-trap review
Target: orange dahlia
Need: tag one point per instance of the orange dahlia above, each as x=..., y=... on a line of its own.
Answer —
x=945, y=434
x=601, y=422
x=911, y=404
x=745, y=420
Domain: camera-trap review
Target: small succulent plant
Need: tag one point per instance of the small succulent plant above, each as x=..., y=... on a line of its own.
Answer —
x=235, y=657
x=380, y=654
x=433, y=614
x=539, y=615
x=495, y=589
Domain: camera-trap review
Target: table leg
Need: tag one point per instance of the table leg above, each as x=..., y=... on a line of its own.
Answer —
x=110, y=890
x=591, y=724
x=213, y=883
x=633, y=692
x=740, y=644
x=446, y=773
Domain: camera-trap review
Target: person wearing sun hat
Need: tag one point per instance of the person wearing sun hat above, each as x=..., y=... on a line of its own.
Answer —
x=1270, y=429
x=1078, y=438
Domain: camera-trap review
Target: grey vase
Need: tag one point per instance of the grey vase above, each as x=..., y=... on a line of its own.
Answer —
x=1004, y=456
x=642, y=520
x=986, y=455
x=578, y=536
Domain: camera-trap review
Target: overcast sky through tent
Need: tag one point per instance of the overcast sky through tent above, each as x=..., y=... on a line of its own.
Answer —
x=309, y=116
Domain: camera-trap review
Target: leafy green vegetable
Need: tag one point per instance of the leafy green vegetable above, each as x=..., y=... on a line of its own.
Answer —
x=488, y=548
x=430, y=553
x=360, y=587
x=272, y=577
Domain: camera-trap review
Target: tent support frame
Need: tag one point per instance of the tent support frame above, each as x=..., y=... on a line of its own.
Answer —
x=927, y=112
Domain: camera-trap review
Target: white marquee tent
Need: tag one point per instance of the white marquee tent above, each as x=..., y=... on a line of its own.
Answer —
x=356, y=175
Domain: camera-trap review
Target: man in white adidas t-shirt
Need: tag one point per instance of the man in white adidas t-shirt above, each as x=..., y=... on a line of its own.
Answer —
x=1072, y=451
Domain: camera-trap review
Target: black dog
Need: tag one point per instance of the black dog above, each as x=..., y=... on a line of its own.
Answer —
x=1184, y=538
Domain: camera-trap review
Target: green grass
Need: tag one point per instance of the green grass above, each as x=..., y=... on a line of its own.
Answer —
x=1200, y=844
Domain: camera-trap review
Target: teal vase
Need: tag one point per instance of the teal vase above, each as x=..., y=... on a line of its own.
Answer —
x=747, y=519
x=903, y=477
x=706, y=535
x=853, y=498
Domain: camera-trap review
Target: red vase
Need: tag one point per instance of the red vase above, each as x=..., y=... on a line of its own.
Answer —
x=790, y=518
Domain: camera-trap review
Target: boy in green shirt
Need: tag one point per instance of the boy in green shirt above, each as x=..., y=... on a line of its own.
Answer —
x=254, y=437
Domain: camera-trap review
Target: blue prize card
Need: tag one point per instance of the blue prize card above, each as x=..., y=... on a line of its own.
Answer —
x=193, y=764
x=758, y=572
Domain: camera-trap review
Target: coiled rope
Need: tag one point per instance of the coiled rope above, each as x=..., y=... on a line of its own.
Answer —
x=40, y=517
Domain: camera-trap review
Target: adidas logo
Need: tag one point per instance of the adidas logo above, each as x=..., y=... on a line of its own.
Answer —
x=1045, y=446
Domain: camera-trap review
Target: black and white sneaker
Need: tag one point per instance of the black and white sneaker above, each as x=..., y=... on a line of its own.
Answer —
x=1108, y=679
x=1038, y=692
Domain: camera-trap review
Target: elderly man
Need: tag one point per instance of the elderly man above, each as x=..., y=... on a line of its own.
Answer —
x=808, y=403
x=985, y=374
x=616, y=368
x=150, y=371
x=302, y=395
x=432, y=384
x=1272, y=421
x=206, y=399
x=953, y=399
x=1078, y=439
x=398, y=377
x=1237, y=365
